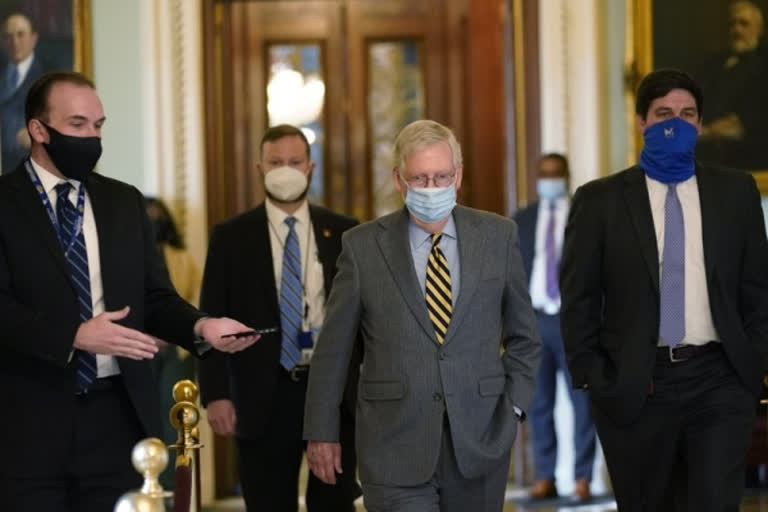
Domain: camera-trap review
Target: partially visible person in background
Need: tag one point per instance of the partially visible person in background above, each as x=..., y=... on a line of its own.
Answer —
x=541, y=226
x=172, y=363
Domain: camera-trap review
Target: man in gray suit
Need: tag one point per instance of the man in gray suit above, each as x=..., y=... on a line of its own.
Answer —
x=438, y=296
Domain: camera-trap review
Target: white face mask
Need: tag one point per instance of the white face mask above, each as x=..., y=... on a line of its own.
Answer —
x=285, y=183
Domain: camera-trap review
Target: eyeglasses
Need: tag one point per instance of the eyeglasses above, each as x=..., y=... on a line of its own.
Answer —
x=442, y=179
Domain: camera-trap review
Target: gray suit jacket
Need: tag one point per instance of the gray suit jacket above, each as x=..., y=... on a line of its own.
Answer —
x=408, y=381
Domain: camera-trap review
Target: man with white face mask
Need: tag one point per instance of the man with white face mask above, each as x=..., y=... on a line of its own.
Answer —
x=274, y=265
x=541, y=240
x=438, y=293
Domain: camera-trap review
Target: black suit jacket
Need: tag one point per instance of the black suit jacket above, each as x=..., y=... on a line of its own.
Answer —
x=610, y=283
x=39, y=316
x=526, y=219
x=239, y=282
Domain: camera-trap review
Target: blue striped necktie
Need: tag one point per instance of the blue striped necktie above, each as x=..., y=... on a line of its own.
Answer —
x=77, y=260
x=291, y=298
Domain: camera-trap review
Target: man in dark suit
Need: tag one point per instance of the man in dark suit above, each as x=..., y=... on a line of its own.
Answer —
x=286, y=249
x=438, y=293
x=80, y=282
x=664, y=284
x=541, y=239
x=22, y=68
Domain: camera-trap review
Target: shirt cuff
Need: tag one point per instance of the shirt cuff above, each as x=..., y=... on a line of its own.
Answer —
x=520, y=413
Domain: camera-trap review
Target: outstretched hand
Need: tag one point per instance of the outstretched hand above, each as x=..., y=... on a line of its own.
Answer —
x=218, y=331
x=101, y=335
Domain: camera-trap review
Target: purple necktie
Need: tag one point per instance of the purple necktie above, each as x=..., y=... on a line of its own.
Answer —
x=672, y=313
x=550, y=252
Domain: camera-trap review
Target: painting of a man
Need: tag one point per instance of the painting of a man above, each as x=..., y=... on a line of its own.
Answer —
x=735, y=83
x=21, y=68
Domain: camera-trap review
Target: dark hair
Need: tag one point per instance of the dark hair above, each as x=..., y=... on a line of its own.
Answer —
x=658, y=84
x=560, y=158
x=283, y=130
x=36, y=106
x=166, y=231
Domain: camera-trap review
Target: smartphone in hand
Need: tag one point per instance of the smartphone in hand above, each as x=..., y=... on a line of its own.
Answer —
x=253, y=332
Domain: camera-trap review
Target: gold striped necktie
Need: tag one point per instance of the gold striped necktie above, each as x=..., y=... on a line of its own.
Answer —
x=438, y=289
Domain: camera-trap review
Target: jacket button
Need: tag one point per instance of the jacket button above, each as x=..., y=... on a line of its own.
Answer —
x=441, y=356
x=437, y=397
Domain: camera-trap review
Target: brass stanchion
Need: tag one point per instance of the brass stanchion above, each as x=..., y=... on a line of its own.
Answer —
x=185, y=416
x=149, y=457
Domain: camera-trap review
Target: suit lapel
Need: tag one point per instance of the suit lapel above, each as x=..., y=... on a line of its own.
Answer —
x=709, y=220
x=471, y=243
x=30, y=204
x=325, y=242
x=639, y=206
x=396, y=249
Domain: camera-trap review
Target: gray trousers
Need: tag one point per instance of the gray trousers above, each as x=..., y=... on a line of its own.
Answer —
x=446, y=491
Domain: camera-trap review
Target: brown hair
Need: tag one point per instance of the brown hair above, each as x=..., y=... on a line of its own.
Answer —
x=283, y=130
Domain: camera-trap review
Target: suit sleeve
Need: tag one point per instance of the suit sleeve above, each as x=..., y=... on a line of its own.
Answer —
x=580, y=288
x=521, y=341
x=214, y=370
x=333, y=352
x=754, y=276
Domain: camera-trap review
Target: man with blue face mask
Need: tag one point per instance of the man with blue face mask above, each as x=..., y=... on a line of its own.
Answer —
x=438, y=293
x=664, y=287
x=541, y=239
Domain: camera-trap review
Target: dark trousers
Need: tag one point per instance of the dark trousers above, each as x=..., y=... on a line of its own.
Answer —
x=447, y=491
x=270, y=464
x=99, y=468
x=542, y=411
x=686, y=450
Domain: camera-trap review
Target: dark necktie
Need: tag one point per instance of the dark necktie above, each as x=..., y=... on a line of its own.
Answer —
x=550, y=253
x=291, y=298
x=672, y=312
x=438, y=289
x=77, y=260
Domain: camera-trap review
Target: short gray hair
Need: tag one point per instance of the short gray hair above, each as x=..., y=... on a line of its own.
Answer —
x=421, y=134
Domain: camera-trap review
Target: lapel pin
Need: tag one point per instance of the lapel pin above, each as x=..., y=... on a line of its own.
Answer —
x=326, y=233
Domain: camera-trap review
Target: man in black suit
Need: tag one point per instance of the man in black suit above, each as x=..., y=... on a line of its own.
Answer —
x=541, y=226
x=664, y=284
x=80, y=282
x=258, y=395
x=22, y=68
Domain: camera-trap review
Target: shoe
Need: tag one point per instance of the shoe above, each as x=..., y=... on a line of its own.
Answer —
x=581, y=490
x=543, y=489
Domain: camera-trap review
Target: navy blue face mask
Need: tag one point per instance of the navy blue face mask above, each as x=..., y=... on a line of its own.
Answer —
x=668, y=152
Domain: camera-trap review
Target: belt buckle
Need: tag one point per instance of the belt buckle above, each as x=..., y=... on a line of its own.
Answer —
x=672, y=357
x=294, y=373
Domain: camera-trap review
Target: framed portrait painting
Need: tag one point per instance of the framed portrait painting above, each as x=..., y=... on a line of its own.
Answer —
x=722, y=45
x=38, y=36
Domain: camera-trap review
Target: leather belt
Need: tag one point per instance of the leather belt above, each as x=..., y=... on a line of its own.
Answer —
x=298, y=371
x=102, y=384
x=681, y=353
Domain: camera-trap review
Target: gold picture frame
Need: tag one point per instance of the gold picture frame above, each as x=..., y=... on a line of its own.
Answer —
x=83, y=37
x=639, y=58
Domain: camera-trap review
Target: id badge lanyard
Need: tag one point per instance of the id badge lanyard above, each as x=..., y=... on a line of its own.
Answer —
x=79, y=211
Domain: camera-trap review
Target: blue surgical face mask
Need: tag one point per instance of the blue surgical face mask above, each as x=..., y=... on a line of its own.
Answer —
x=431, y=204
x=551, y=188
x=668, y=152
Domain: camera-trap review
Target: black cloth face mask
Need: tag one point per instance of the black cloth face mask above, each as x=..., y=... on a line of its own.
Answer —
x=74, y=157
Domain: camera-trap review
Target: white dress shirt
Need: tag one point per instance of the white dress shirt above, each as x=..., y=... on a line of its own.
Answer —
x=538, y=286
x=699, y=327
x=105, y=365
x=311, y=267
